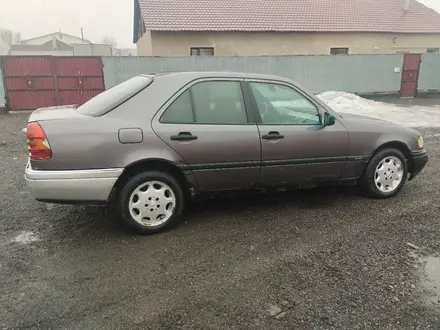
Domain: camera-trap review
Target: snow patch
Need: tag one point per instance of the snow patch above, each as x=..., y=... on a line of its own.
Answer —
x=24, y=130
x=50, y=206
x=413, y=116
x=430, y=279
x=25, y=237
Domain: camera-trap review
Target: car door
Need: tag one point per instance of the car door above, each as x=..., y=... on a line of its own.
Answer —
x=207, y=124
x=296, y=146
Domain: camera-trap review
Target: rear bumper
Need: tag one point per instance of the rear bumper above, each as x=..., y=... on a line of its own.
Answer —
x=418, y=161
x=71, y=186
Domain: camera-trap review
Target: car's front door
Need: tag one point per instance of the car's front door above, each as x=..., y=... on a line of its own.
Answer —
x=296, y=147
x=207, y=125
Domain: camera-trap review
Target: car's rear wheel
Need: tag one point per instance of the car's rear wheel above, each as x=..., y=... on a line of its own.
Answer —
x=386, y=174
x=151, y=202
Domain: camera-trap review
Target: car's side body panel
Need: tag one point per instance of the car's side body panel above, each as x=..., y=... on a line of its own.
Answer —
x=84, y=142
x=367, y=135
x=222, y=158
x=94, y=143
x=305, y=153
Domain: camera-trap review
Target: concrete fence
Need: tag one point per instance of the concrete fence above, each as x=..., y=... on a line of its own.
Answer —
x=352, y=73
x=429, y=76
x=361, y=74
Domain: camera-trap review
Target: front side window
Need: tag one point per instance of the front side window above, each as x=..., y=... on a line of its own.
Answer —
x=282, y=105
x=209, y=102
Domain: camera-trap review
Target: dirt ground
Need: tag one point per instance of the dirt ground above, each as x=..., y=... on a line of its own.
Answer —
x=316, y=259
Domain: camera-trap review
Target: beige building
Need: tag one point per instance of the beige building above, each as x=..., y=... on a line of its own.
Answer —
x=61, y=44
x=284, y=27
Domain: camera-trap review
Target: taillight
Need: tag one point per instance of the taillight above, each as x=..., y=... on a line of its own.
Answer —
x=39, y=148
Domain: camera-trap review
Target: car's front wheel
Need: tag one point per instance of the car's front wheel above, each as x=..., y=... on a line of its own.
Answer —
x=386, y=173
x=151, y=202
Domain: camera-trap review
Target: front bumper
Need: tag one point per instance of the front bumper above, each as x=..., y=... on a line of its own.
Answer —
x=417, y=162
x=72, y=185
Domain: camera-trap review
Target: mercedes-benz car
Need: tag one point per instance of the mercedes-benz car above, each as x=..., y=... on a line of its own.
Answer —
x=154, y=142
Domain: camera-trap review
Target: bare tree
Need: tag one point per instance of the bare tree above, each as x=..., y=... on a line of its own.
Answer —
x=8, y=38
x=109, y=40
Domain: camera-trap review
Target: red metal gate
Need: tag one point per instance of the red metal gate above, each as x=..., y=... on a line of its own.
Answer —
x=33, y=82
x=29, y=82
x=78, y=78
x=410, y=74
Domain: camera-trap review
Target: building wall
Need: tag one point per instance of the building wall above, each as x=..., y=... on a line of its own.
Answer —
x=282, y=43
x=62, y=37
x=92, y=50
x=144, y=44
x=41, y=53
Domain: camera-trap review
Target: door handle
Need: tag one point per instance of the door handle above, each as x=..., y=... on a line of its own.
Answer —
x=272, y=136
x=183, y=136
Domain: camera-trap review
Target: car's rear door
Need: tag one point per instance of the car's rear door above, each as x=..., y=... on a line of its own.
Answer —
x=296, y=147
x=207, y=124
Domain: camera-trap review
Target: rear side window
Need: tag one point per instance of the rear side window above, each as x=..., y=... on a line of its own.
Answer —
x=180, y=111
x=113, y=97
x=210, y=102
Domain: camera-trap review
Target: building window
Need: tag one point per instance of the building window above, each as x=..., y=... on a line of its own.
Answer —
x=198, y=51
x=433, y=50
x=339, y=51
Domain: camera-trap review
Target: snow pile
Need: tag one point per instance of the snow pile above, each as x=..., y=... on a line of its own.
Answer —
x=26, y=237
x=412, y=116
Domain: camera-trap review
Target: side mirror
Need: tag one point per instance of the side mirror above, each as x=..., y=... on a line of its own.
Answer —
x=329, y=120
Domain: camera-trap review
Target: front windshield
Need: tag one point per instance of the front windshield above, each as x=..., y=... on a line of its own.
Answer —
x=111, y=98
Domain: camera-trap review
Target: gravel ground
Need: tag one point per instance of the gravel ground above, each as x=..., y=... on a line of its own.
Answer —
x=317, y=259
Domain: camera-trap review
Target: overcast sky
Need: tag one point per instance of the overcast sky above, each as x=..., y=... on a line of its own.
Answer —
x=97, y=18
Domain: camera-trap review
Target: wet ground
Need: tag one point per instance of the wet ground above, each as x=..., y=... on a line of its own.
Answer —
x=317, y=259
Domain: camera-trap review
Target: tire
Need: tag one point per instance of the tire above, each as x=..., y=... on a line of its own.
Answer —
x=150, y=182
x=388, y=158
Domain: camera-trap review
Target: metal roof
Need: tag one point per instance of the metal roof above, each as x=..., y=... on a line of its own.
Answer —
x=289, y=16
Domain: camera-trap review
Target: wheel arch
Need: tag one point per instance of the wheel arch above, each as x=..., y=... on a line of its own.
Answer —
x=158, y=164
x=399, y=145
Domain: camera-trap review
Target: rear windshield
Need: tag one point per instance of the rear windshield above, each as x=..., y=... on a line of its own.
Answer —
x=113, y=97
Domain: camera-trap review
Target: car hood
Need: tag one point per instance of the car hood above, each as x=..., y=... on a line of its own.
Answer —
x=355, y=122
x=360, y=117
x=52, y=113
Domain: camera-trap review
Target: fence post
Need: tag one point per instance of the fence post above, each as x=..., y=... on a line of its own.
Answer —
x=55, y=80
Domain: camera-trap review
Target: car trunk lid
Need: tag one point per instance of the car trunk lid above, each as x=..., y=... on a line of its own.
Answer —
x=53, y=113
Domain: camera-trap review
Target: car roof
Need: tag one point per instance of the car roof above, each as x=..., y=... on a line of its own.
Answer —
x=190, y=75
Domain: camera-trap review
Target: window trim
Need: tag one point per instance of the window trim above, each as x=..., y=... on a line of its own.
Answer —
x=429, y=50
x=256, y=112
x=347, y=48
x=199, y=49
x=164, y=108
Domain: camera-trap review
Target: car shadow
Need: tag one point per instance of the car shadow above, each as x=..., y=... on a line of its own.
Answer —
x=315, y=198
x=94, y=221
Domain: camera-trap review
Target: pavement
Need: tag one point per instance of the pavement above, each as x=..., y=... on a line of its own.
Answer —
x=426, y=100
x=316, y=259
